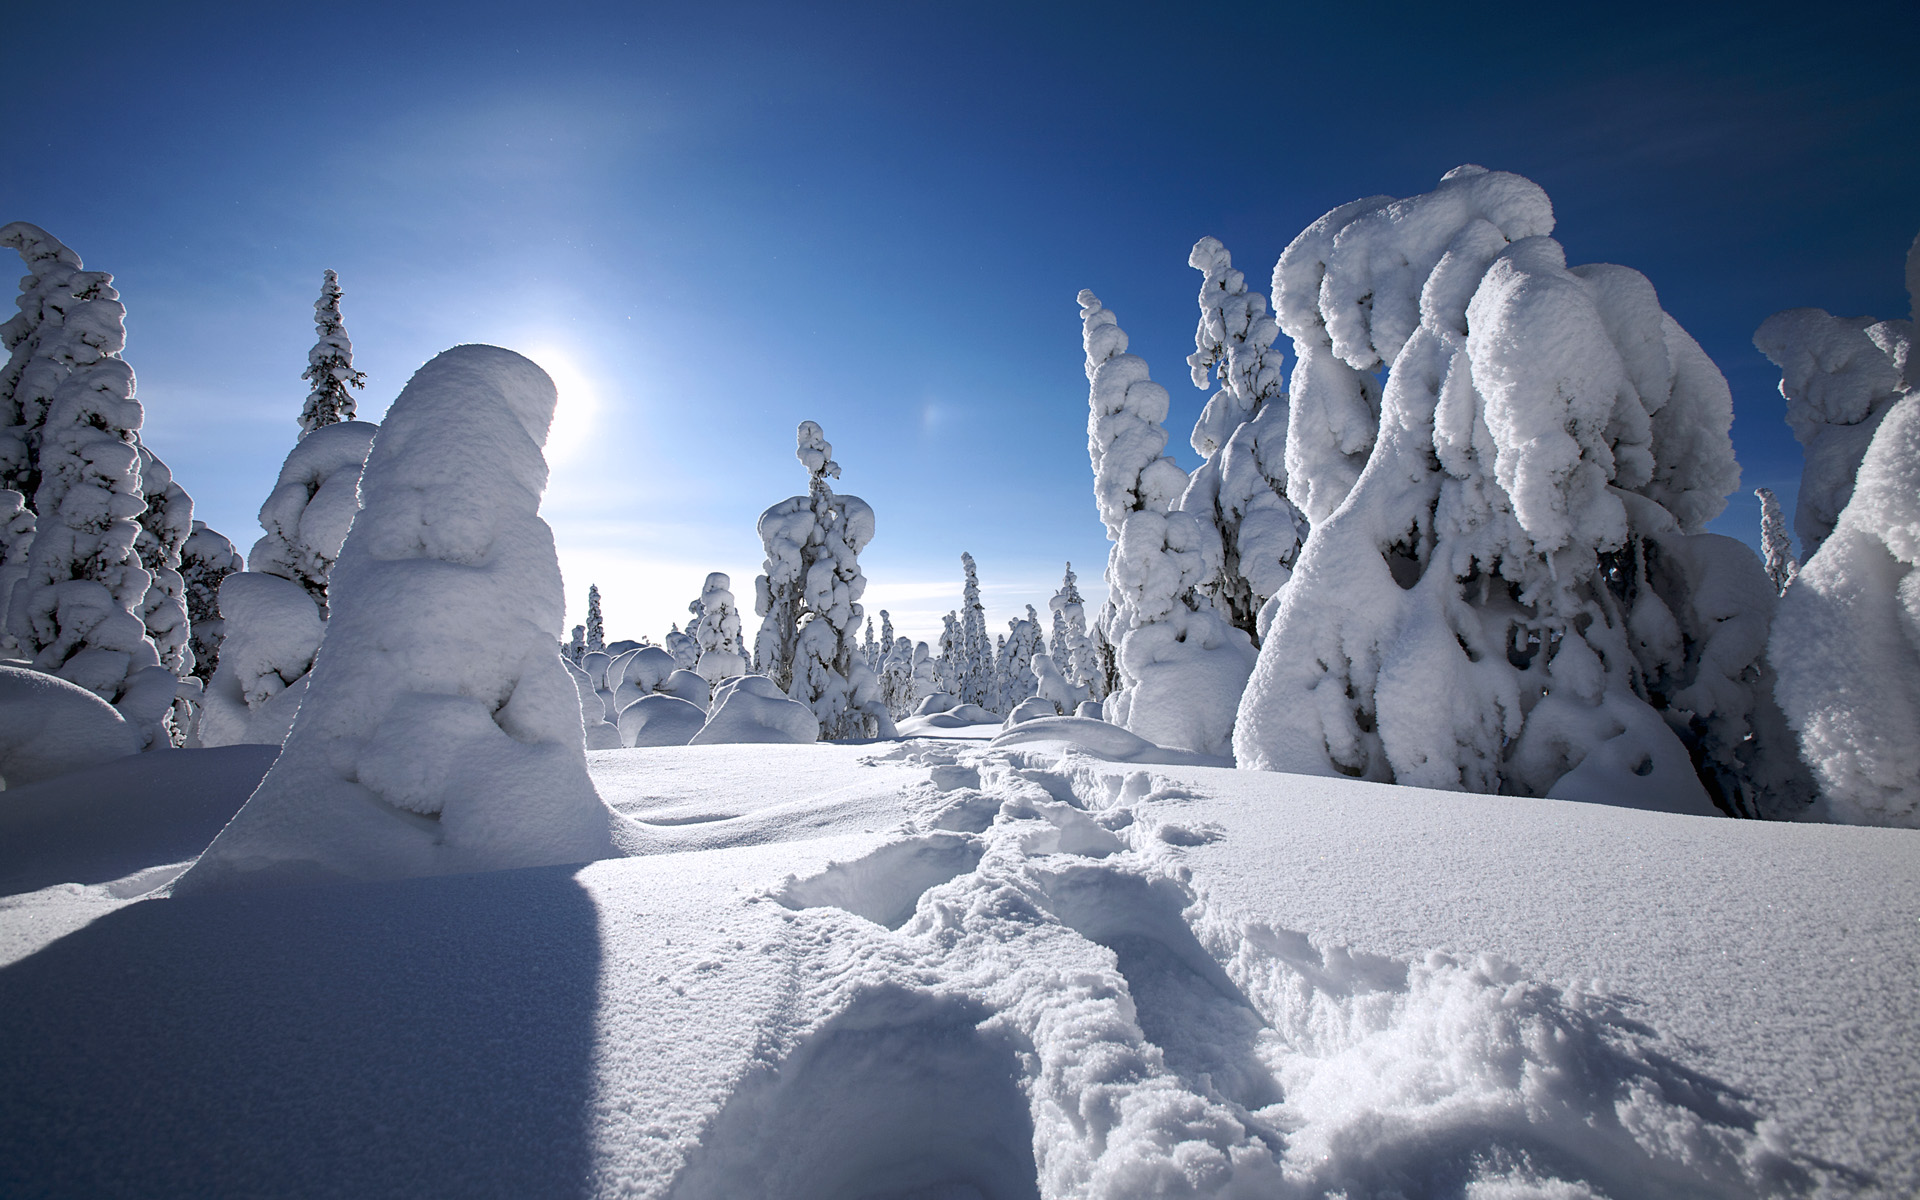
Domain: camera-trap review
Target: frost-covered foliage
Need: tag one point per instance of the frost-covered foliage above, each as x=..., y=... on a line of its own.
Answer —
x=329, y=363
x=1524, y=538
x=440, y=731
x=973, y=675
x=717, y=633
x=1179, y=664
x=206, y=560
x=69, y=444
x=272, y=631
x=1846, y=643
x=1839, y=375
x=809, y=599
x=1242, y=435
x=596, y=625
x=1774, y=542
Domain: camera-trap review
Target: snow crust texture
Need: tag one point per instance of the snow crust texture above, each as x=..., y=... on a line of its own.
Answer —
x=439, y=731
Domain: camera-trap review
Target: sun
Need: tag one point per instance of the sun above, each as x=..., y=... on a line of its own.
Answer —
x=578, y=404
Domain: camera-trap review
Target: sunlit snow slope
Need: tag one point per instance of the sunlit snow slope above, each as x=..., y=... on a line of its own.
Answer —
x=940, y=968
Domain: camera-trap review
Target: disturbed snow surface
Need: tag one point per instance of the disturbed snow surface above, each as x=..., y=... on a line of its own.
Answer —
x=940, y=969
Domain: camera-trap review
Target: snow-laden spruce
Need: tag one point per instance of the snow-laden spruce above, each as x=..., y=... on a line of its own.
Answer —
x=596, y=624
x=1846, y=643
x=206, y=559
x=1180, y=664
x=70, y=446
x=1840, y=376
x=1775, y=545
x=276, y=610
x=1524, y=541
x=329, y=363
x=1072, y=649
x=973, y=676
x=1242, y=435
x=440, y=731
x=809, y=599
x=717, y=633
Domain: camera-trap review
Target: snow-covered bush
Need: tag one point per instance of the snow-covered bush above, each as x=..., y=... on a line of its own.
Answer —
x=1242, y=435
x=304, y=523
x=717, y=633
x=69, y=444
x=752, y=708
x=1846, y=643
x=1180, y=664
x=1774, y=542
x=1506, y=565
x=809, y=599
x=440, y=731
x=329, y=363
x=49, y=727
x=206, y=560
x=660, y=720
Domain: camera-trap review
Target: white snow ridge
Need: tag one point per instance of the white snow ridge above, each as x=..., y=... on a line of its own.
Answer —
x=439, y=731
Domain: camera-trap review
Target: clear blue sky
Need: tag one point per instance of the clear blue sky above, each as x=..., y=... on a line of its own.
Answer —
x=714, y=221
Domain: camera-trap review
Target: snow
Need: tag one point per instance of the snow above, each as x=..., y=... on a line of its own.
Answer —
x=752, y=708
x=926, y=967
x=49, y=727
x=440, y=731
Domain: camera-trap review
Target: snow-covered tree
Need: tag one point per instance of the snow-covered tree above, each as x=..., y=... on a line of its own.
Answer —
x=16, y=539
x=683, y=647
x=206, y=560
x=808, y=599
x=1518, y=533
x=870, y=649
x=1179, y=662
x=1775, y=545
x=596, y=625
x=69, y=444
x=577, y=647
x=896, y=677
x=1014, y=679
x=1846, y=643
x=1242, y=434
x=948, y=665
x=1073, y=653
x=718, y=631
x=886, y=632
x=926, y=675
x=275, y=612
x=164, y=528
x=329, y=364
x=975, y=679
x=440, y=731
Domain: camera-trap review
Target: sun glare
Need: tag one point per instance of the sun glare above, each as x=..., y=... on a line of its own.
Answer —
x=573, y=415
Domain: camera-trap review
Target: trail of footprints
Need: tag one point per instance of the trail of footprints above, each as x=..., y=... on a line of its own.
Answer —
x=1057, y=1012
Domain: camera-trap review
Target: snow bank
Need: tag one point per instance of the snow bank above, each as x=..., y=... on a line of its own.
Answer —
x=660, y=720
x=440, y=731
x=49, y=727
x=750, y=708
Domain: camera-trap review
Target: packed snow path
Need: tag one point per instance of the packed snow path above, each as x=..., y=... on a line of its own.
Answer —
x=936, y=968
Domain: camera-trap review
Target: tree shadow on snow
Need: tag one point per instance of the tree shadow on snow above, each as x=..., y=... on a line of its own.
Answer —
x=423, y=1037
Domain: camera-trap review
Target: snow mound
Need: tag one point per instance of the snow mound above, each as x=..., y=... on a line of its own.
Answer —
x=1098, y=738
x=660, y=721
x=49, y=727
x=440, y=731
x=751, y=708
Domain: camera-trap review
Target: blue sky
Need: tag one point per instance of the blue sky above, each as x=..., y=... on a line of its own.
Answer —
x=711, y=223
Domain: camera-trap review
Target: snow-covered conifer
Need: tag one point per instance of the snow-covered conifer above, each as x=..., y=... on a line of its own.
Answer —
x=329, y=364
x=1015, y=679
x=948, y=666
x=596, y=625
x=577, y=647
x=69, y=430
x=1073, y=657
x=1180, y=662
x=926, y=675
x=1520, y=530
x=685, y=650
x=896, y=677
x=976, y=652
x=1242, y=434
x=808, y=599
x=1774, y=542
x=16, y=540
x=206, y=559
x=718, y=631
x=1846, y=643
x=440, y=732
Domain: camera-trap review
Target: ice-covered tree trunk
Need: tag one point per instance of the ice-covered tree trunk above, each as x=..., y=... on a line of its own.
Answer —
x=206, y=560
x=1242, y=434
x=1524, y=539
x=1179, y=663
x=276, y=611
x=718, y=631
x=329, y=364
x=69, y=430
x=1846, y=643
x=808, y=599
x=1775, y=545
x=440, y=731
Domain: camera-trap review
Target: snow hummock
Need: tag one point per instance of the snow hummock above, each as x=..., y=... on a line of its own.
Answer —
x=440, y=731
x=49, y=727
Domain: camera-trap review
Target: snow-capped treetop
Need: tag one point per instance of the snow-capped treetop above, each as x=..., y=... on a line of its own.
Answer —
x=329, y=363
x=1774, y=542
x=1124, y=433
x=1235, y=338
x=815, y=452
